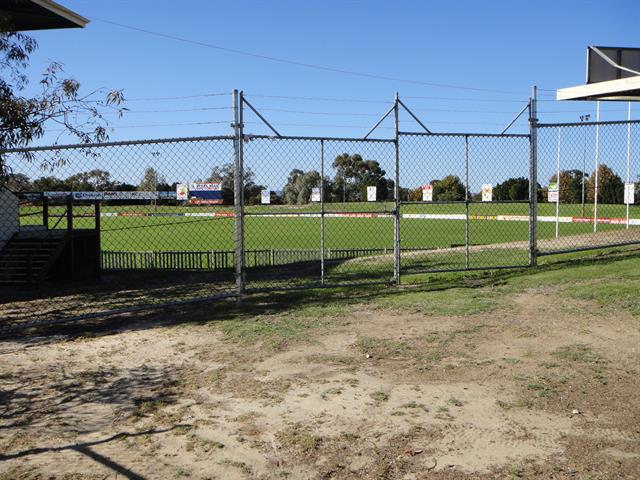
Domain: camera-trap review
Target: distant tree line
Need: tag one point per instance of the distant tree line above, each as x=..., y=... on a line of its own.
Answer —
x=610, y=186
x=353, y=175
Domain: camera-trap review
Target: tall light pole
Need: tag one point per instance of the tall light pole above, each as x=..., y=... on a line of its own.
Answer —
x=584, y=118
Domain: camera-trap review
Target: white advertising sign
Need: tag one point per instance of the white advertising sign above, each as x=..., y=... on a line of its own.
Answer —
x=182, y=192
x=130, y=195
x=88, y=195
x=203, y=186
x=265, y=198
x=427, y=193
x=371, y=194
x=487, y=192
x=629, y=193
x=315, y=194
x=553, y=193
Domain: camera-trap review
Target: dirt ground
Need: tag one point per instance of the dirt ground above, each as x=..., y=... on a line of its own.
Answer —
x=514, y=377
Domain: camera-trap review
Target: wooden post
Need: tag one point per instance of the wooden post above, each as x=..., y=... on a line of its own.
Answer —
x=45, y=211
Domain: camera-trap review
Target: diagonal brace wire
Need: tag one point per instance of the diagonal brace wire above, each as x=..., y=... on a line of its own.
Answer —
x=526, y=107
x=246, y=102
x=413, y=116
x=379, y=121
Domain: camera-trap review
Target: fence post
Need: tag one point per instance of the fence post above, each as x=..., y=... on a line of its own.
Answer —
x=322, y=212
x=466, y=201
x=71, y=236
x=596, y=174
x=533, y=178
x=238, y=197
x=396, y=217
x=45, y=210
x=98, y=229
x=628, y=177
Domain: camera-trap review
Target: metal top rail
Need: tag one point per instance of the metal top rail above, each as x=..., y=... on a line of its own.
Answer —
x=458, y=134
x=326, y=139
x=582, y=124
x=116, y=144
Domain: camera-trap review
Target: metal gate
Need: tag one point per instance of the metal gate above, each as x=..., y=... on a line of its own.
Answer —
x=470, y=218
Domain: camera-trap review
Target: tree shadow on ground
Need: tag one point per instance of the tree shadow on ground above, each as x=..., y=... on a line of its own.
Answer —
x=85, y=449
x=73, y=402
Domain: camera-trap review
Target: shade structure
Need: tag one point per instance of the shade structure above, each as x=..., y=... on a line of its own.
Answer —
x=23, y=15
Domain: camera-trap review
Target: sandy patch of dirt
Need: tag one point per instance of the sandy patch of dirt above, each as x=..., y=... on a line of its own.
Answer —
x=541, y=388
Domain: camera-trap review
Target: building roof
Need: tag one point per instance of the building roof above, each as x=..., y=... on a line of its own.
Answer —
x=40, y=15
x=623, y=89
x=613, y=73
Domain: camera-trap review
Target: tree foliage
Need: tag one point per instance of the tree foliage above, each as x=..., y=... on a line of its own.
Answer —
x=354, y=175
x=450, y=188
x=570, y=185
x=512, y=189
x=151, y=181
x=610, y=186
x=299, y=186
x=60, y=103
x=225, y=174
x=92, y=180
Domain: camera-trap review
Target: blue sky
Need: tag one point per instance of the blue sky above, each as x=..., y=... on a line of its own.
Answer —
x=506, y=46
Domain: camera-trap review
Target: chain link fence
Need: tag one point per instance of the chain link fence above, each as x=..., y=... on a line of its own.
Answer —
x=168, y=221
x=469, y=217
x=315, y=225
x=588, y=192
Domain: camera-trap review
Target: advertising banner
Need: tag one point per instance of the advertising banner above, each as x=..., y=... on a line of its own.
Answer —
x=629, y=193
x=205, y=193
x=182, y=192
x=87, y=195
x=315, y=194
x=487, y=192
x=427, y=193
x=265, y=197
x=553, y=193
x=131, y=195
x=371, y=194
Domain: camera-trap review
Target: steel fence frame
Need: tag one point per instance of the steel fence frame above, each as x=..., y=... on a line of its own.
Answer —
x=242, y=281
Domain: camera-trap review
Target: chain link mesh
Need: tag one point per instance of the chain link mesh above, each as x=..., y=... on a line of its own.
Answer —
x=446, y=223
x=575, y=212
x=153, y=248
x=319, y=227
x=157, y=219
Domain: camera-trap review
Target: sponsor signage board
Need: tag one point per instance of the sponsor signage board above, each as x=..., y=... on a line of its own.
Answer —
x=87, y=195
x=487, y=192
x=629, y=193
x=205, y=193
x=427, y=193
x=315, y=194
x=371, y=194
x=553, y=193
x=265, y=197
x=130, y=195
x=182, y=191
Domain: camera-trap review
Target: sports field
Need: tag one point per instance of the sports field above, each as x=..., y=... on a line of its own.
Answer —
x=166, y=228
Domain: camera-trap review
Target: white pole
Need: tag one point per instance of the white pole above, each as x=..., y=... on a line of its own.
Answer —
x=558, y=187
x=628, y=158
x=595, y=186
